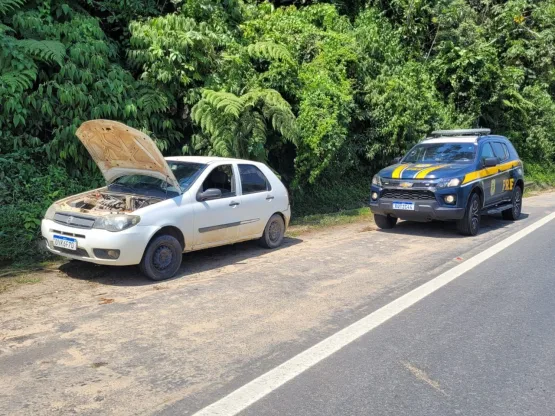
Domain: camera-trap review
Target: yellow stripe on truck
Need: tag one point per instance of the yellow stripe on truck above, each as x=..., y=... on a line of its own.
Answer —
x=484, y=173
x=397, y=172
x=424, y=172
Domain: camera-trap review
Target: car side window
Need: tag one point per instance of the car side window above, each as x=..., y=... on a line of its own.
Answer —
x=222, y=178
x=253, y=180
x=487, y=151
x=500, y=151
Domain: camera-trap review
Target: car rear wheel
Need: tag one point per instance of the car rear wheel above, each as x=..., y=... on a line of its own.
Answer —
x=385, y=222
x=470, y=223
x=162, y=258
x=273, y=233
x=513, y=213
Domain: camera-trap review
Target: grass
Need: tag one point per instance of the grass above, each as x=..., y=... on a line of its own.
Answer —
x=543, y=177
x=312, y=222
x=7, y=282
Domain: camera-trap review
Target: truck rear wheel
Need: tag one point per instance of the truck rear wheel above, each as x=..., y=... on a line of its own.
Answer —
x=513, y=213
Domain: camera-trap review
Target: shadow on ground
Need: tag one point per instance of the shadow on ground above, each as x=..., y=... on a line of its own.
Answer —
x=193, y=262
x=444, y=229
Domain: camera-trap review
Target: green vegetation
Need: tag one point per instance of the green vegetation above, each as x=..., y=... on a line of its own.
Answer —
x=312, y=222
x=542, y=177
x=325, y=92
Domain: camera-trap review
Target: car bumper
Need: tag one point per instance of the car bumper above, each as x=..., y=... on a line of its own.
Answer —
x=131, y=243
x=287, y=215
x=423, y=211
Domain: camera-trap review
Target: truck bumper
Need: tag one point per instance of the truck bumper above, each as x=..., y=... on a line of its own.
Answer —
x=423, y=211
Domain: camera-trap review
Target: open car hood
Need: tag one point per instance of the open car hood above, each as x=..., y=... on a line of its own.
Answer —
x=120, y=150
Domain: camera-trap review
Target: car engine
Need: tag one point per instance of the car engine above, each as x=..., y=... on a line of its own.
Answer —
x=103, y=201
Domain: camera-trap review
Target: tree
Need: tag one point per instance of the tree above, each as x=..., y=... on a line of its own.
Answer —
x=238, y=126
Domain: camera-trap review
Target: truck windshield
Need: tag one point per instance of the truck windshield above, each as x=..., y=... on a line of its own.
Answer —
x=185, y=173
x=441, y=153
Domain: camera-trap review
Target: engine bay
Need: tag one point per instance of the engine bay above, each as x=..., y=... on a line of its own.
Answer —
x=99, y=201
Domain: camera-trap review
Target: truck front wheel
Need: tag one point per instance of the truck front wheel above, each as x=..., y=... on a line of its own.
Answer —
x=470, y=223
x=385, y=222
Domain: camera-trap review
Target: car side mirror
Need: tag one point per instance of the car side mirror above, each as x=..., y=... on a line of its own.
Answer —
x=490, y=162
x=210, y=193
x=396, y=160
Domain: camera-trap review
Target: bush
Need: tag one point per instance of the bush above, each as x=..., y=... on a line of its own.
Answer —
x=26, y=192
x=327, y=196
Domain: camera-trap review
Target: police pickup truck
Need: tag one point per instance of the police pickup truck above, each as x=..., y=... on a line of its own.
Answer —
x=452, y=175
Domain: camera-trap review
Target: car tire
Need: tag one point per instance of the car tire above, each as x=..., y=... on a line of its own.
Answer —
x=385, y=222
x=513, y=214
x=162, y=258
x=274, y=232
x=470, y=223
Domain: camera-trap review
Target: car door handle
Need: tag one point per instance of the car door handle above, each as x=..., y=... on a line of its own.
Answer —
x=269, y=198
x=233, y=204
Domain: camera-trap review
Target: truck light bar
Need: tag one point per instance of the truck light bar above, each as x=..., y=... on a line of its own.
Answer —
x=461, y=132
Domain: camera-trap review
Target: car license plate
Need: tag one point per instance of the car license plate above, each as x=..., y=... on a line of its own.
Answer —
x=407, y=206
x=65, y=242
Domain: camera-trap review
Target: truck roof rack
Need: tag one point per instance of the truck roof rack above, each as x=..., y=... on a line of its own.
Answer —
x=461, y=132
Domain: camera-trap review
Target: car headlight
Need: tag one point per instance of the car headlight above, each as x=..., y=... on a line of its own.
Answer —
x=376, y=180
x=448, y=183
x=50, y=212
x=116, y=223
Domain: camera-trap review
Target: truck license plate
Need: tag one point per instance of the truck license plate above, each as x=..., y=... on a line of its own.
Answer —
x=65, y=242
x=407, y=206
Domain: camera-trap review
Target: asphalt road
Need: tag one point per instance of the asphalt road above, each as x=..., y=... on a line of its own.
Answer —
x=95, y=340
x=482, y=345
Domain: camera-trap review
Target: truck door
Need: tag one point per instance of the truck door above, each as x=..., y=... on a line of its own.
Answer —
x=506, y=176
x=491, y=183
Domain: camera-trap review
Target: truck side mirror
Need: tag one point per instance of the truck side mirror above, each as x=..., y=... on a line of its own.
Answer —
x=490, y=162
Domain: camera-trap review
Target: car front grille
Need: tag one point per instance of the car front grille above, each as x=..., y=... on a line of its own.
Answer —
x=71, y=220
x=410, y=195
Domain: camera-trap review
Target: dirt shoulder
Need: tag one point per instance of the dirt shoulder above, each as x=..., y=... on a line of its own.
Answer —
x=93, y=340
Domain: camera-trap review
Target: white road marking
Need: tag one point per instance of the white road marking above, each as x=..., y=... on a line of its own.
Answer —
x=255, y=390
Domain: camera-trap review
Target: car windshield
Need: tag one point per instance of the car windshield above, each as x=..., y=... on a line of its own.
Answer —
x=442, y=153
x=185, y=173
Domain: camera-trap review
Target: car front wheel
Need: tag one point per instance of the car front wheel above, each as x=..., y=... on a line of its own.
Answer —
x=162, y=258
x=273, y=233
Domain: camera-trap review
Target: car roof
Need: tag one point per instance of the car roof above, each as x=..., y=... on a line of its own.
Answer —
x=207, y=159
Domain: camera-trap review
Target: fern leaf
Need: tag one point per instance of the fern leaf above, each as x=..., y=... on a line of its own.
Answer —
x=46, y=50
x=227, y=102
x=4, y=28
x=7, y=6
x=18, y=80
x=270, y=51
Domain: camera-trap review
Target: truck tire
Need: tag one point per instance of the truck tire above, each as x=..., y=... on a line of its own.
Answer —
x=470, y=223
x=513, y=213
x=385, y=222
